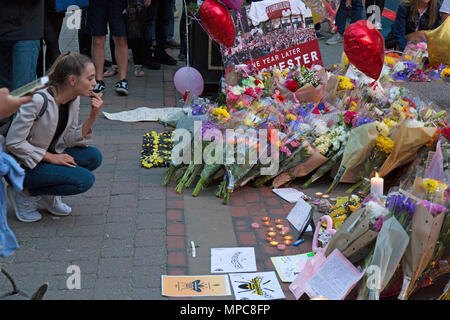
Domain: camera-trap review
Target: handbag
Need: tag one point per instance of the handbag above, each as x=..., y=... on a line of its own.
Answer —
x=63, y=5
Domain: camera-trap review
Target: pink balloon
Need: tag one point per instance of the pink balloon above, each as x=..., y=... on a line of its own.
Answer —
x=188, y=79
x=234, y=4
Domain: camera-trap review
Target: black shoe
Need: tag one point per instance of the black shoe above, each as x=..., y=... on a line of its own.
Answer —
x=163, y=58
x=319, y=35
x=108, y=63
x=99, y=87
x=151, y=64
x=122, y=87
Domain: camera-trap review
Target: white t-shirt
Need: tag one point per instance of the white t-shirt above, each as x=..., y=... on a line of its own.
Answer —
x=445, y=8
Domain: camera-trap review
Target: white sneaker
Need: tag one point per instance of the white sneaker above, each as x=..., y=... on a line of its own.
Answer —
x=55, y=206
x=25, y=207
x=378, y=25
x=335, y=39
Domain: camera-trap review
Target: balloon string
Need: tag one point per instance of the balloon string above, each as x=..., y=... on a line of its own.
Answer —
x=374, y=86
x=187, y=33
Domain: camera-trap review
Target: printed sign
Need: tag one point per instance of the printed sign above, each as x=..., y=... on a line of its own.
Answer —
x=273, y=34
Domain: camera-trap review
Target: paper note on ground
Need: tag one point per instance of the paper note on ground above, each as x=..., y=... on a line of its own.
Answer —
x=300, y=214
x=146, y=114
x=334, y=279
x=288, y=267
x=240, y=259
x=195, y=286
x=256, y=286
x=289, y=194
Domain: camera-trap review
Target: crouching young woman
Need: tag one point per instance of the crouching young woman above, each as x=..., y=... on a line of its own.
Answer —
x=53, y=149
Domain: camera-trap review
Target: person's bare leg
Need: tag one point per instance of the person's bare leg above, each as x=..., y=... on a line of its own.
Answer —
x=98, y=55
x=121, y=56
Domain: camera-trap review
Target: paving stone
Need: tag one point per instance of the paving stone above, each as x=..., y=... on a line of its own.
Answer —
x=150, y=238
x=114, y=267
x=149, y=256
x=151, y=221
x=112, y=289
x=147, y=277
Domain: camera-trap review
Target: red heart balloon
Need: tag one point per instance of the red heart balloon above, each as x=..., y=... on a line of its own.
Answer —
x=218, y=23
x=364, y=47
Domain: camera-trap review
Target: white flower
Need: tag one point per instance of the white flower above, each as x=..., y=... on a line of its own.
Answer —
x=237, y=90
x=336, y=145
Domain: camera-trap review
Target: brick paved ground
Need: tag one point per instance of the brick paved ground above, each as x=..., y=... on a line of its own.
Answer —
x=129, y=229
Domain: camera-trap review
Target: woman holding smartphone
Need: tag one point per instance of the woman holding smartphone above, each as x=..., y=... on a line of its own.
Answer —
x=53, y=149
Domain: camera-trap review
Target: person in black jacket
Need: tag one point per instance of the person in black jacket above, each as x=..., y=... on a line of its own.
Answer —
x=21, y=28
x=412, y=19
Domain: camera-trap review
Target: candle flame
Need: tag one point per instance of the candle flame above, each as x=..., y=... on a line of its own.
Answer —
x=376, y=175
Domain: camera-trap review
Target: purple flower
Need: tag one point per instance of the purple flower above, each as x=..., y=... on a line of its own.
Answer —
x=199, y=109
x=379, y=224
x=362, y=120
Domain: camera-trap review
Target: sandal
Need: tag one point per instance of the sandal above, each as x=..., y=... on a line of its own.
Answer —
x=138, y=71
x=111, y=71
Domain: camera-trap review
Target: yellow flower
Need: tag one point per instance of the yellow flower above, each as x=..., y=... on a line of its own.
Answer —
x=445, y=72
x=390, y=61
x=385, y=144
x=345, y=83
x=431, y=185
x=221, y=113
x=290, y=117
x=248, y=122
x=408, y=57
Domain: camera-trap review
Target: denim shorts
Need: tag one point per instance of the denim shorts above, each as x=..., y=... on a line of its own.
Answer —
x=101, y=13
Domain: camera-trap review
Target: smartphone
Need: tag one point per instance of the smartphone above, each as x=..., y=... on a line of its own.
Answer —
x=30, y=87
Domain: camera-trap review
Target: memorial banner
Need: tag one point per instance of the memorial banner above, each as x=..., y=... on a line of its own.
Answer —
x=273, y=34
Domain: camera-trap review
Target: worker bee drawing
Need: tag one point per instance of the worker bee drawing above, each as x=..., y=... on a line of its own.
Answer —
x=255, y=286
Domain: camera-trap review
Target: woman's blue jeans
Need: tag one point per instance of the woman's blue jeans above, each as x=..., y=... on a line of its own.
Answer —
x=357, y=12
x=58, y=180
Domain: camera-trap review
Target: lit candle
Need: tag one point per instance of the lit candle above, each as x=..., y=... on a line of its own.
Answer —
x=270, y=239
x=266, y=218
x=271, y=234
x=283, y=233
x=287, y=237
x=271, y=228
x=319, y=195
x=279, y=226
x=266, y=223
x=325, y=196
x=278, y=220
x=376, y=186
x=274, y=243
x=287, y=242
x=255, y=225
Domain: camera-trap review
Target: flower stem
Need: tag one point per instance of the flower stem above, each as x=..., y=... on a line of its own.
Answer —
x=198, y=187
x=169, y=174
x=353, y=187
x=197, y=170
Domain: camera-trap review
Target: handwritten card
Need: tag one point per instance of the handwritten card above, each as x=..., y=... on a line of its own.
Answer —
x=311, y=266
x=334, y=279
x=300, y=214
x=226, y=260
x=288, y=267
x=256, y=286
x=194, y=286
x=291, y=195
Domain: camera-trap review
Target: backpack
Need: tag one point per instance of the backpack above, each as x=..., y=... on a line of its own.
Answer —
x=5, y=123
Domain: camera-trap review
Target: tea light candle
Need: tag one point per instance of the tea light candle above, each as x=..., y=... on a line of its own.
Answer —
x=287, y=242
x=271, y=228
x=274, y=243
x=288, y=238
x=325, y=196
x=265, y=218
x=281, y=247
x=266, y=223
x=278, y=221
x=376, y=186
x=319, y=194
x=283, y=233
x=279, y=226
x=272, y=234
x=270, y=239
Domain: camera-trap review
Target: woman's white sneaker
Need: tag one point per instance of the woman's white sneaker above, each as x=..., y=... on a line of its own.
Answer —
x=55, y=206
x=25, y=207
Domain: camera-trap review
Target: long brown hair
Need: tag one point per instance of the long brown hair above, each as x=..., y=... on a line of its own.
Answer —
x=432, y=9
x=67, y=64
